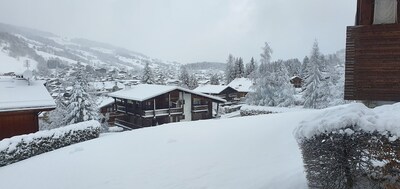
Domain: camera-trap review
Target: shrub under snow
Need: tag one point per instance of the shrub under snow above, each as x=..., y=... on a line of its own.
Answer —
x=351, y=146
x=25, y=146
x=248, y=110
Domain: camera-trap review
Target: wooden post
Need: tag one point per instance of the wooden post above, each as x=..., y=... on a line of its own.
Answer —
x=217, y=109
x=154, y=107
x=169, y=104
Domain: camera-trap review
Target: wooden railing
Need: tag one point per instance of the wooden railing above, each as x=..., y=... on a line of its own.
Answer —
x=200, y=108
x=162, y=112
x=126, y=125
x=373, y=63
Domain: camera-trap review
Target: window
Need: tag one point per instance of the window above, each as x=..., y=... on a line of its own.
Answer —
x=385, y=12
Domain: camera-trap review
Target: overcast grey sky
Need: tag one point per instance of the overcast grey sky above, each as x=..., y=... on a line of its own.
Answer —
x=192, y=30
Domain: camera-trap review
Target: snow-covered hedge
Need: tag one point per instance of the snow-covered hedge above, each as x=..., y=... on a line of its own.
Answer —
x=351, y=146
x=248, y=110
x=25, y=146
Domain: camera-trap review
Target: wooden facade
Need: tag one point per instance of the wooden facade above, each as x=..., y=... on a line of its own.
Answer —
x=14, y=123
x=372, y=57
x=296, y=81
x=165, y=108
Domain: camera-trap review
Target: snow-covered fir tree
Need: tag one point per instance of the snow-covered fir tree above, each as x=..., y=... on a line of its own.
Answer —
x=239, y=68
x=272, y=86
x=81, y=107
x=265, y=59
x=250, y=68
x=193, y=83
x=214, y=79
x=56, y=118
x=230, y=72
x=184, y=77
x=317, y=88
x=304, y=65
x=147, y=75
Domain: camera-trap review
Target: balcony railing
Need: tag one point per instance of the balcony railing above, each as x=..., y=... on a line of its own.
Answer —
x=162, y=112
x=200, y=108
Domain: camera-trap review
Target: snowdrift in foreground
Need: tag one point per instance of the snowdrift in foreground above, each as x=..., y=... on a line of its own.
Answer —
x=250, y=152
x=382, y=119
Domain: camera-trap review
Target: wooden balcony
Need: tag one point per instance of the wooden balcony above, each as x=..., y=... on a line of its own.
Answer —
x=373, y=63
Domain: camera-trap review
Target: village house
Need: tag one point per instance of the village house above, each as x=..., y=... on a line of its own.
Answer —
x=242, y=85
x=296, y=81
x=225, y=92
x=108, y=109
x=149, y=105
x=20, y=104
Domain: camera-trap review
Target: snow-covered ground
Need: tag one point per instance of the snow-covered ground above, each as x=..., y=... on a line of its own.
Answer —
x=10, y=64
x=247, y=152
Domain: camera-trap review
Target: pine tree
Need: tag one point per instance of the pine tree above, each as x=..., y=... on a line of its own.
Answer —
x=147, y=75
x=214, y=80
x=184, y=77
x=304, y=66
x=56, y=118
x=230, y=72
x=250, y=68
x=265, y=59
x=239, y=68
x=81, y=106
x=315, y=88
x=193, y=82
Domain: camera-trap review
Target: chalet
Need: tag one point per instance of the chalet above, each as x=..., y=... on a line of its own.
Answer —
x=107, y=108
x=373, y=52
x=296, y=81
x=106, y=86
x=149, y=105
x=242, y=85
x=20, y=105
x=225, y=92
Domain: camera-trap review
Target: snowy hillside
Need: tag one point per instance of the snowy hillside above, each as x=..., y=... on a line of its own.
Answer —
x=249, y=152
x=17, y=42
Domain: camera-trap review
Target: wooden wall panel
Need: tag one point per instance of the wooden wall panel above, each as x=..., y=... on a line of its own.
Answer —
x=12, y=124
x=373, y=63
x=365, y=12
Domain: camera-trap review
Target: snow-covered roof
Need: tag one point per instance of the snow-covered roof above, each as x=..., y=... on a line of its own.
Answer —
x=293, y=77
x=104, y=101
x=210, y=89
x=16, y=94
x=144, y=92
x=241, y=84
x=106, y=85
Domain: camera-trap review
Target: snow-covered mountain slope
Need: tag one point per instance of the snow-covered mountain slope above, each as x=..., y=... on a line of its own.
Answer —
x=18, y=42
x=247, y=152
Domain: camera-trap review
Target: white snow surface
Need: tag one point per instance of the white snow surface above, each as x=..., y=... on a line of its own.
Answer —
x=210, y=89
x=382, y=119
x=16, y=94
x=242, y=84
x=248, y=152
x=10, y=64
x=144, y=92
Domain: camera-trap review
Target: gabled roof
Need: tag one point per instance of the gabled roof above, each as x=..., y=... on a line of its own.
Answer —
x=212, y=89
x=145, y=91
x=17, y=95
x=242, y=84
